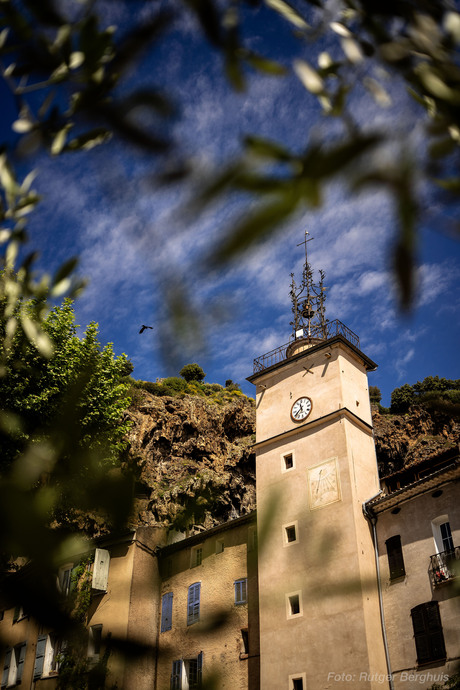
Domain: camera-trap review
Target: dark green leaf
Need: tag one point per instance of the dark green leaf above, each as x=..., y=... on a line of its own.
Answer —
x=256, y=226
x=267, y=149
x=65, y=270
x=442, y=147
x=319, y=163
x=264, y=65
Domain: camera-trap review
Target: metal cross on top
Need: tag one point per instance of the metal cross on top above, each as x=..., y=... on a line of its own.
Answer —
x=308, y=301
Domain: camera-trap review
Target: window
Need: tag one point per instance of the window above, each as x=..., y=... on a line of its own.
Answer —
x=241, y=591
x=48, y=655
x=446, y=536
x=395, y=557
x=196, y=556
x=287, y=461
x=245, y=640
x=294, y=604
x=94, y=641
x=219, y=546
x=428, y=634
x=193, y=603
x=65, y=579
x=297, y=681
x=187, y=673
x=13, y=665
x=442, y=534
x=166, y=611
x=290, y=532
x=18, y=614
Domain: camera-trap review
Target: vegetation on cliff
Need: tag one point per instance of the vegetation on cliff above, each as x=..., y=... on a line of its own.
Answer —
x=431, y=392
x=190, y=382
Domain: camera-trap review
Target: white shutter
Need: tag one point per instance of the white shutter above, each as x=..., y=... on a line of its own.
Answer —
x=6, y=667
x=101, y=569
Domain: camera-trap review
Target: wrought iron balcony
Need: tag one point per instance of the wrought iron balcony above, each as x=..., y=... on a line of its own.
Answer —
x=317, y=333
x=445, y=566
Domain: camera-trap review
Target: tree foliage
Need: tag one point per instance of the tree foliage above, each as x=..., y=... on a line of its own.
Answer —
x=35, y=388
x=192, y=372
x=430, y=390
x=374, y=394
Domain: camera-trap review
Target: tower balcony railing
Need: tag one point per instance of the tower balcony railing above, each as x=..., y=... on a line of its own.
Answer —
x=317, y=333
x=445, y=566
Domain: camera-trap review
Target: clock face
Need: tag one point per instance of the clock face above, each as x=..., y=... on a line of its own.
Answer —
x=301, y=409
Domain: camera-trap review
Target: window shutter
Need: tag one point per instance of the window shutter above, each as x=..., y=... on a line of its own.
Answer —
x=435, y=627
x=199, y=670
x=6, y=666
x=40, y=656
x=166, y=611
x=395, y=557
x=176, y=675
x=428, y=634
x=22, y=656
x=73, y=580
x=193, y=603
x=101, y=569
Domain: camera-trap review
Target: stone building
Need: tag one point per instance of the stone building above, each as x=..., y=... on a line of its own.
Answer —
x=417, y=534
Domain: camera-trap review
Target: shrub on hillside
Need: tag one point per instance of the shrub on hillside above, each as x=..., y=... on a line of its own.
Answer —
x=192, y=372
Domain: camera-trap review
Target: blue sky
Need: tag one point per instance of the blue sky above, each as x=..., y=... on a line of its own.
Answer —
x=138, y=241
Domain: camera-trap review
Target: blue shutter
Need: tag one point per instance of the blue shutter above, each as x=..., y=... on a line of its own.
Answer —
x=6, y=667
x=40, y=656
x=22, y=656
x=176, y=675
x=199, y=670
x=193, y=603
x=166, y=611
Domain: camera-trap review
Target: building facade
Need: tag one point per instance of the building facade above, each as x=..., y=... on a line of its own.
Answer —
x=417, y=530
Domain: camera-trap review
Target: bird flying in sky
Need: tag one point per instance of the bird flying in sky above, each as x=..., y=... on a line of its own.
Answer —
x=144, y=327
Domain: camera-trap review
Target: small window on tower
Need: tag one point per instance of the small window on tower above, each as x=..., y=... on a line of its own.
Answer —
x=297, y=682
x=287, y=461
x=290, y=533
x=294, y=604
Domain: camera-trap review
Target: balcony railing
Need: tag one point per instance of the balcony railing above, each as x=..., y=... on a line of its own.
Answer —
x=445, y=565
x=329, y=330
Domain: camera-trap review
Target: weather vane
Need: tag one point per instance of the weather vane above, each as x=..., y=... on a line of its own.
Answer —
x=308, y=301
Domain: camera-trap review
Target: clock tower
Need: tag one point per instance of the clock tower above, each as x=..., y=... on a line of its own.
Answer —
x=316, y=465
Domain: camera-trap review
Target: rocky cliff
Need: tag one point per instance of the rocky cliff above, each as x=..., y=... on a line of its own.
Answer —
x=193, y=459
x=195, y=464
x=421, y=434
